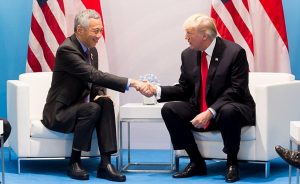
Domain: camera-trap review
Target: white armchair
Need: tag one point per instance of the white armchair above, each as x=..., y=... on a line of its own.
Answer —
x=29, y=138
x=277, y=97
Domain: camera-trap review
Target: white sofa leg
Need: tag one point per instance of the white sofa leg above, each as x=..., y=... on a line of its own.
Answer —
x=19, y=165
x=267, y=169
x=117, y=162
x=9, y=153
x=177, y=163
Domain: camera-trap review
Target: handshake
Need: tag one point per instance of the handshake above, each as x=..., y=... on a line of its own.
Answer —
x=144, y=87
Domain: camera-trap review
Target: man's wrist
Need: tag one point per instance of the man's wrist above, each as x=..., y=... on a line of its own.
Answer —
x=157, y=92
x=213, y=112
x=133, y=83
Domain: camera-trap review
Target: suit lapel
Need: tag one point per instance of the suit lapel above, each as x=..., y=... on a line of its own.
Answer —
x=214, y=62
x=77, y=44
x=93, y=57
x=79, y=47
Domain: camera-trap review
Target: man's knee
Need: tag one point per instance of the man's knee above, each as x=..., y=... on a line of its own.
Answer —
x=7, y=127
x=105, y=101
x=167, y=109
x=93, y=109
x=228, y=116
x=227, y=111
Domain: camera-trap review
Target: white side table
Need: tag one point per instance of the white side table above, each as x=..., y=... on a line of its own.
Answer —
x=139, y=113
x=294, y=138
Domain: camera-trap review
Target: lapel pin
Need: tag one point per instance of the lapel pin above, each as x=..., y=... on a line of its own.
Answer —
x=216, y=59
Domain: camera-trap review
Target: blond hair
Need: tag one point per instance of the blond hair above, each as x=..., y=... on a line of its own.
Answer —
x=202, y=23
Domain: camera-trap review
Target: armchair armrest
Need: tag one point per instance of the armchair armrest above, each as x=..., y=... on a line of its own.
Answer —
x=18, y=116
x=276, y=106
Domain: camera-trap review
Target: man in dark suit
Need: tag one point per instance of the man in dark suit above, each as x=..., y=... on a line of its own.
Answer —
x=221, y=101
x=77, y=103
x=6, y=129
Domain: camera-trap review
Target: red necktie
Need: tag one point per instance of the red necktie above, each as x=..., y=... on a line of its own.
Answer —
x=204, y=71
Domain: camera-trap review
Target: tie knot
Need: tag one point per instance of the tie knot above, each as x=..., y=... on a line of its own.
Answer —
x=204, y=53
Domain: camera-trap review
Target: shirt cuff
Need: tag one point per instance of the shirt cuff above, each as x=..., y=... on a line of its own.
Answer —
x=158, y=92
x=213, y=112
x=128, y=84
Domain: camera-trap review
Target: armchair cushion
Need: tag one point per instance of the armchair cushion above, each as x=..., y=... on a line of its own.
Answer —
x=38, y=130
x=29, y=137
x=276, y=96
x=247, y=134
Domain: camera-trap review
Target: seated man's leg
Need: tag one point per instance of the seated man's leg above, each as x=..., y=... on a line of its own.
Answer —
x=230, y=121
x=177, y=117
x=106, y=126
x=87, y=115
x=6, y=129
x=107, y=141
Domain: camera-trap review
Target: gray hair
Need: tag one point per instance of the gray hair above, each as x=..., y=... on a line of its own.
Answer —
x=202, y=23
x=83, y=17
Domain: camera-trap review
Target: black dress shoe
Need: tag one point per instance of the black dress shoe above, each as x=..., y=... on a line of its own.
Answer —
x=291, y=157
x=109, y=172
x=76, y=171
x=232, y=174
x=192, y=169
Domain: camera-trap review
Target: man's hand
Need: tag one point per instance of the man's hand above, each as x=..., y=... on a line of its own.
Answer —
x=202, y=119
x=148, y=89
x=144, y=87
x=135, y=83
x=100, y=96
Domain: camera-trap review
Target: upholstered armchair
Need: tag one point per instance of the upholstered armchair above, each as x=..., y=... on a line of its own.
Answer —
x=29, y=138
x=277, y=97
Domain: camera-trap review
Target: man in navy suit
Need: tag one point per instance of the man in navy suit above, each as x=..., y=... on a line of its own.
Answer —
x=77, y=101
x=215, y=98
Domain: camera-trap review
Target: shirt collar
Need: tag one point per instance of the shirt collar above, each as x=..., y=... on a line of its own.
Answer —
x=211, y=47
x=84, y=48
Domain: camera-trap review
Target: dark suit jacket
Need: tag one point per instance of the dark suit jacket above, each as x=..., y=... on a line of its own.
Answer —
x=227, y=80
x=70, y=85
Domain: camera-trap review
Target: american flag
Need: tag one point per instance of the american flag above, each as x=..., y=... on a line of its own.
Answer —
x=259, y=27
x=52, y=21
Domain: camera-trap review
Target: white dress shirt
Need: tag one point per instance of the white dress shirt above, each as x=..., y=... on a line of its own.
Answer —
x=209, y=52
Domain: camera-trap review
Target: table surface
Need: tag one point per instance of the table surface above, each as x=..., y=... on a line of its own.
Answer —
x=140, y=111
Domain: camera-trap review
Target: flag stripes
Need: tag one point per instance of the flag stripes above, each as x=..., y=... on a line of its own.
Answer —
x=274, y=9
x=52, y=21
x=240, y=23
x=39, y=35
x=259, y=27
x=234, y=27
x=48, y=30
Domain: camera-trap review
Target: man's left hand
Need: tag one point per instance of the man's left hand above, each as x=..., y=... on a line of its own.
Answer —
x=202, y=119
x=101, y=96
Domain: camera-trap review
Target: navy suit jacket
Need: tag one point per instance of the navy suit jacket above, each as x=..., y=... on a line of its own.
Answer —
x=227, y=80
x=70, y=85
